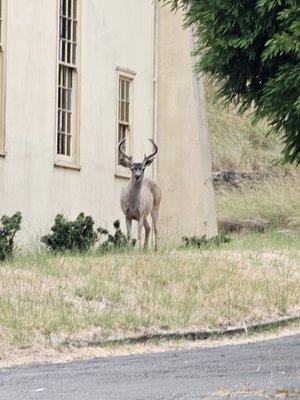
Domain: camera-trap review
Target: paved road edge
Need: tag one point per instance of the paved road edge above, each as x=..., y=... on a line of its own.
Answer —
x=186, y=335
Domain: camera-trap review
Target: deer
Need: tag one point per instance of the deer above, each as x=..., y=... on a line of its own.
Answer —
x=140, y=197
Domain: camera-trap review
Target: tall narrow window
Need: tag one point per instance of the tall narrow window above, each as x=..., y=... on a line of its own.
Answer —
x=125, y=89
x=67, y=107
x=2, y=71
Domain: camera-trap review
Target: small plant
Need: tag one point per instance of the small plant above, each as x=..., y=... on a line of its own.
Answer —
x=204, y=243
x=116, y=241
x=10, y=226
x=78, y=235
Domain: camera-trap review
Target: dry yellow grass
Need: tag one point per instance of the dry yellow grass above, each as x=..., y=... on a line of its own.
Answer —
x=275, y=200
x=46, y=299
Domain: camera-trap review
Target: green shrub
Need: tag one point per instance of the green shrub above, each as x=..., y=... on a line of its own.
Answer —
x=204, y=243
x=78, y=235
x=116, y=241
x=10, y=226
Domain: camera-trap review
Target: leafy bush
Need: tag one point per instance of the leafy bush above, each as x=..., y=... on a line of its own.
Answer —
x=116, y=241
x=78, y=235
x=10, y=226
x=202, y=242
x=251, y=49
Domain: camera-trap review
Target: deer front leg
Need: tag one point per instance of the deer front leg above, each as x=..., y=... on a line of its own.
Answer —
x=128, y=226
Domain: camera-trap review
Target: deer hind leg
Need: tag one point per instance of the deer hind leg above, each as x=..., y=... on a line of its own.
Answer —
x=140, y=229
x=128, y=226
x=147, y=232
x=154, y=215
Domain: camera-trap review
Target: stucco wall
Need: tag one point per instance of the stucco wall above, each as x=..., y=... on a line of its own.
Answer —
x=184, y=162
x=114, y=34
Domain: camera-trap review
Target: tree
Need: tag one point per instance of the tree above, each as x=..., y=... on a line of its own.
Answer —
x=251, y=48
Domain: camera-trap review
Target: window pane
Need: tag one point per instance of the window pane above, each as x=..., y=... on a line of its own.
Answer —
x=60, y=76
x=63, y=147
x=70, y=79
x=68, y=145
x=59, y=121
x=69, y=100
x=127, y=91
x=74, y=54
x=64, y=7
x=63, y=121
x=69, y=29
x=122, y=89
x=59, y=143
x=68, y=58
x=122, y=111
x=122, y=133
x=59, y=98
x=74, y=31
x=69, y=122
x=62, y=50
x=127, y=112
x=70, y=8
x=63, y=98
x=74, y=9
x=63, y=28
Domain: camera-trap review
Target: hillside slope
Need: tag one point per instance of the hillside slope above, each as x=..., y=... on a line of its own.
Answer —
x=273, y=191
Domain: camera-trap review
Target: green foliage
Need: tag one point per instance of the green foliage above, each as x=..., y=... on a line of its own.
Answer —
x=252, y=50
x=78, y=235
x=10, y=226
x=117, y=241
x=203, y=243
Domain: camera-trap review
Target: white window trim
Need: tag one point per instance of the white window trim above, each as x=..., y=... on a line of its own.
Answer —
x=60, y=160
x=3, y=78
x=120, y=171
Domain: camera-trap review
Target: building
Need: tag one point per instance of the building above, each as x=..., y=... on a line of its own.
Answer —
x=76, y=77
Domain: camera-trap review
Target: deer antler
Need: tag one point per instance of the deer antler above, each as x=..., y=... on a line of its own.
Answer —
x=149, y=159
x=126, y=157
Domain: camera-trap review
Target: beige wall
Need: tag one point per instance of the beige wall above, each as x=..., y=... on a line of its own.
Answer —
x=184, y=163
x=114, y=34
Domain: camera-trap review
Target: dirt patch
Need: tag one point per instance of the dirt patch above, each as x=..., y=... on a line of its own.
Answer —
x=250, y=393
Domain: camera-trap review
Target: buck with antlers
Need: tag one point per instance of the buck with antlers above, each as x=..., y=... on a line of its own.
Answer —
x=140, y=197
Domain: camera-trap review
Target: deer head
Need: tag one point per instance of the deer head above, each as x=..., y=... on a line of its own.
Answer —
x=137, y=169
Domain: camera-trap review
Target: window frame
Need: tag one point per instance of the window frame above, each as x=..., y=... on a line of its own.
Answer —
x=128, y=75
x=71, y=161
x=3, y=43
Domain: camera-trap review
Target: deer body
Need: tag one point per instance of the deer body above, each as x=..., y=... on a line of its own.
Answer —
x=140, y=198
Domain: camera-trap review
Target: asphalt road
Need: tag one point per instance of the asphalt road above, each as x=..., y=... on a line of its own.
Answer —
x=253, y=371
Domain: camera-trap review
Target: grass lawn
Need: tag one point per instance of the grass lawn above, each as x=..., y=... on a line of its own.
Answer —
x=45, y=299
